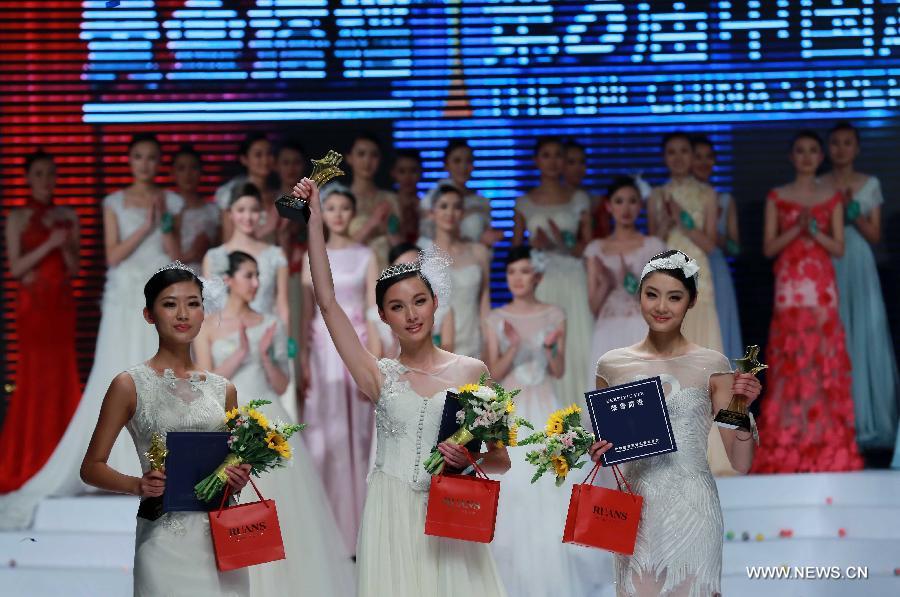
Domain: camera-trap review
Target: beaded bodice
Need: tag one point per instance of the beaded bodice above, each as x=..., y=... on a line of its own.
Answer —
x=407, y=426
x=168, y=403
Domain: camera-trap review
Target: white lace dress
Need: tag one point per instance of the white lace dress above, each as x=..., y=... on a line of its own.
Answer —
x=565, y=284
x=316, y=562
x=196, y=221
x=173, y=555
x=679, y=541
x=394, y=555
x=123, y=338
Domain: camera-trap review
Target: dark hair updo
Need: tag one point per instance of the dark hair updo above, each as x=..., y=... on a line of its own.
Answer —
x=517, y=253
x=689, y=283
x=236, y=259
x=337, y=188
x=38, y=156
x=807, y=134
x=401, y=248
x=144, y=137
x=246, y=189
x=383, y=284
x=165, y=278
x=621, y=182
x=445, y=188
x=844, y=126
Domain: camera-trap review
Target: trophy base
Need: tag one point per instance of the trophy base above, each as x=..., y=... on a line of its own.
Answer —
x=730, y=419
x=292, y=208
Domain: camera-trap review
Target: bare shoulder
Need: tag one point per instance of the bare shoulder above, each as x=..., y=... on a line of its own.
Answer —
x=122, y=388
x=470, y=368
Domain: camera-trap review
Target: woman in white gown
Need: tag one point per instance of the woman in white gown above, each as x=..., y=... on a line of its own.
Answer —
x=613, y=266
x=525, y=348
x=558, y=222
x=470, y=272
x=679, y=541
x=173, y=552
x=199, y=220
x=244, y=212
x=139, y=237
x=250, y=349
x=394, y=555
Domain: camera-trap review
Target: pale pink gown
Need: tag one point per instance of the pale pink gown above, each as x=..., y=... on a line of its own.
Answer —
x=339, y=417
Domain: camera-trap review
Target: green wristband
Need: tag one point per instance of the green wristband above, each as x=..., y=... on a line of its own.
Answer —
x=732, y=248
x=291, y=348
x=569, y=239
x=813, y=227
x=167, y=223
x=630, y=283
x=853, y=210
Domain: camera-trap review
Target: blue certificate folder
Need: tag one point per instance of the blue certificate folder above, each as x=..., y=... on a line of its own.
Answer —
x=193, y=455
x=449, y=426
x=634, y=418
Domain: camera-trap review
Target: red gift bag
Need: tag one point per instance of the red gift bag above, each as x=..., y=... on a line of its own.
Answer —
x=604, y=518
x=247, y=534
x=462, y=507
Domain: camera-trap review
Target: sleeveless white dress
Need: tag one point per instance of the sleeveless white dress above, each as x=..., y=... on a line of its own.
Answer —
x=565, y=284
x=196, y=221
x=531, y=557
x=123, y=338
x=679, y=538
x=316, y=562
x=394, y=555
x=173, y=555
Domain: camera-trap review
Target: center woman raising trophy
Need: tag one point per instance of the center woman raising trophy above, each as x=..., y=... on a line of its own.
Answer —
x=679, y=539
x=394, y=555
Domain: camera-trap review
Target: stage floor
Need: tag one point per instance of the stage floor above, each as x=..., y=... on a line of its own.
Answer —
x=837, y=524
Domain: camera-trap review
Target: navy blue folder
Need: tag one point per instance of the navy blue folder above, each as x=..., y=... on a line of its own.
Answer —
x=634, y=417
x=449, y=426
x=193, y=455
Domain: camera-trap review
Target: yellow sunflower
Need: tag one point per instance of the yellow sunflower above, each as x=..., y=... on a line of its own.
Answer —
x=232, y=414
x=469, y=387
x=561, y=466
x=510, y=407
x=554, y=424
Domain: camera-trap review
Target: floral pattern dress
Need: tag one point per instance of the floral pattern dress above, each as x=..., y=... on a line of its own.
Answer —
x=807, y=422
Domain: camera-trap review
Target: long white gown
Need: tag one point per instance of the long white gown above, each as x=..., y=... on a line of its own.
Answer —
x=395, y=556
x=173, y=555
x=679, y=538
x=316, y=562
x=531, y=557
x=565, y=284
x=124, y=338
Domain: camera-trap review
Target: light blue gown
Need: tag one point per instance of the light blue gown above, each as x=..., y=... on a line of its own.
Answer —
x=875, y=379
x=726, y=300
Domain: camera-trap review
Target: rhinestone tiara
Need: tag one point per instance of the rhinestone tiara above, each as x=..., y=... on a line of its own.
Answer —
x=175, y=265
x=399, y=268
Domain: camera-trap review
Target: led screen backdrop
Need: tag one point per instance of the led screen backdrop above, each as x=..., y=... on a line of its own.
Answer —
x=79, y=77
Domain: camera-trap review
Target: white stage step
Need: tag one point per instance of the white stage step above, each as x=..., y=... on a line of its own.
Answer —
x=84, y=546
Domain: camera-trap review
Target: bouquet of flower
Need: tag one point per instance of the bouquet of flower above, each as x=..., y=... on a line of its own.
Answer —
x=487, y=414
x=254, y=441
x=562, y=444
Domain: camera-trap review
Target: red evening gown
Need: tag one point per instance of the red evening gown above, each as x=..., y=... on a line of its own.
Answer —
x=807, y=420
x=46, y=381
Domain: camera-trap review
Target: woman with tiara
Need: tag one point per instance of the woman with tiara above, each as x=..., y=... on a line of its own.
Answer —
x=808, y=413
x=682, y=213
x=244, y=212
x=340, y=421
x=727, y=243
x=558, y=221
x=613, y=265
x=394, y=555
x=256, y=158
x=199, y=220
x=42, y=241
x=876, y=382
x=250, y=349
x=679, y=538
x=173, y=553
x=470, y=273
x=525, y=349
x=377, y=221
x=139, y=235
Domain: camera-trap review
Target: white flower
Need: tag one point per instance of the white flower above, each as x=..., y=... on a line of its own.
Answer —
x=485, y=393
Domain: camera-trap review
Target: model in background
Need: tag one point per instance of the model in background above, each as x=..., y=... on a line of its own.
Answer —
x=199, y=221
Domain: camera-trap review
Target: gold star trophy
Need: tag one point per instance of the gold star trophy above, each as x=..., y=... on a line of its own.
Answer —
x=324, y=169
x=737, y=415
x=157, y=452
